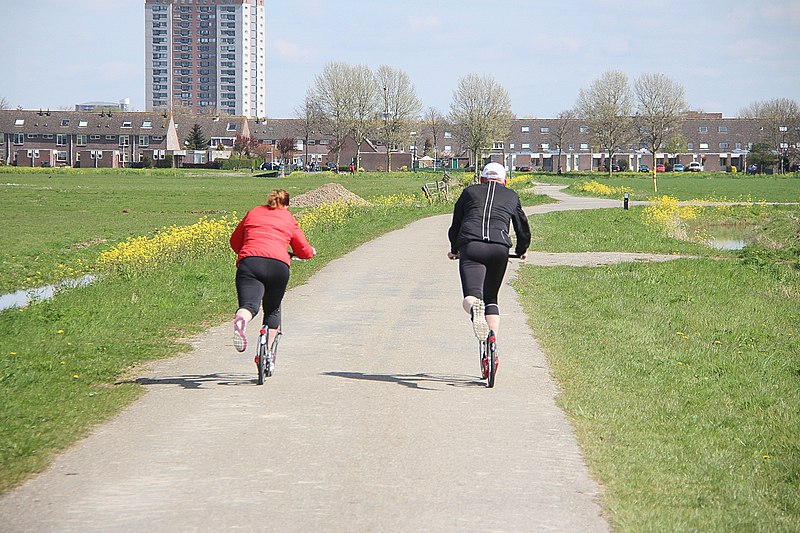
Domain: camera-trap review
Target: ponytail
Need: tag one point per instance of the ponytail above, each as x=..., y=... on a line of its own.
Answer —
x=278, y=197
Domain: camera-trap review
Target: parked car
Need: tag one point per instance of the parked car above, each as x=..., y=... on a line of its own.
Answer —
x=524, y=169
x=644, y=168
x=661, y=168
x=270, y=165
x=677, y=167
x=694, y=166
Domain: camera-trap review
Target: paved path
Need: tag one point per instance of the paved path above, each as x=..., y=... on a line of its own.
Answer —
x=374, y=421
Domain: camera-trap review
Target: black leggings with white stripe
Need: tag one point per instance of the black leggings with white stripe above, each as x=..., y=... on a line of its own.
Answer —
x=482, y=266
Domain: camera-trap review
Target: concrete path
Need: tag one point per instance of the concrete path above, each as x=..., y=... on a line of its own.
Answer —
x=374, y=421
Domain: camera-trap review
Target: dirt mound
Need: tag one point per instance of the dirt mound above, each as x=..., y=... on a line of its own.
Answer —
x=330, y=192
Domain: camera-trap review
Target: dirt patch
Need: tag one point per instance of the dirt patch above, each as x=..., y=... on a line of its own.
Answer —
x=87, y=244
x=330, y=192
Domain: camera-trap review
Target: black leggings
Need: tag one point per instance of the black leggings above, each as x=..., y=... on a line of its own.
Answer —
x=262, y=281
x=482, y=266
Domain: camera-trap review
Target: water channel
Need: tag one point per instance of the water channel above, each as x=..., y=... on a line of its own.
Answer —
x=24, y=297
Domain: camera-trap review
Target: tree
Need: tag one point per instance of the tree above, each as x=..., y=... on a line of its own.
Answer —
x=780, y=123
x=331, y=93
x=677, y=144
x=565, y=125
x=401, y=107
x=3, y=103
x=363, y=105
x=308, y=113
x=434, y=120
x=286, y=147
x=244, y=145
x=196, y=140
x=606, y=106
x=762, y=156
x=481, y=113
x=660, y=109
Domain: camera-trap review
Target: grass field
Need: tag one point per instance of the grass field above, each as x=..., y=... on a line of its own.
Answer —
x=682, y=379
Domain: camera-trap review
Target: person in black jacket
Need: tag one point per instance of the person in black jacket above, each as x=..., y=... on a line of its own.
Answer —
x=479, y=237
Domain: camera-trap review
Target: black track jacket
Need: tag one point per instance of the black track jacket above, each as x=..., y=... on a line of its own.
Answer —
x=485, y=212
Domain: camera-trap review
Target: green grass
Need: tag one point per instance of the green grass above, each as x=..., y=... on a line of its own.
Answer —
x=691, y=185
x=57, y=216
x=682, y=379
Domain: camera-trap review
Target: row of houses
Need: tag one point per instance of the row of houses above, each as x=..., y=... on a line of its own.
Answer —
x=113, y=139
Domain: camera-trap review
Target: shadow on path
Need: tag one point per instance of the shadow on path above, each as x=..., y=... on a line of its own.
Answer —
x=196, y=381
x=413, y=381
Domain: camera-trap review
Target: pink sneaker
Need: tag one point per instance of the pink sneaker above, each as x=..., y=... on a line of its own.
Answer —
x=239, y=335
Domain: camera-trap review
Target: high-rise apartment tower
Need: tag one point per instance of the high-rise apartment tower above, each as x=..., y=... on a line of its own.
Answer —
x=206, y=56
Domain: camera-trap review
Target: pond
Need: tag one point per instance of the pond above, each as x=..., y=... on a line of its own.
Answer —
x=729, y=237
x=24, y=297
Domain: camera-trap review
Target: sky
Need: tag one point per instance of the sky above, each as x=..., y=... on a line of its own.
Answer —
x=726, y=54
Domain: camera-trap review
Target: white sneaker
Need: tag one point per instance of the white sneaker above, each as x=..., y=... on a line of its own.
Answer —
x=479, y=325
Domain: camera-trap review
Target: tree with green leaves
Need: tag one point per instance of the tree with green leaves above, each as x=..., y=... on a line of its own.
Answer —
x=481, y=114
x=660, y=110
x=762, y=156
x=606, y=106
x=196, y=140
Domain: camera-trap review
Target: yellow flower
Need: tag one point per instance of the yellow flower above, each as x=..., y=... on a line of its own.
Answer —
x=680, y=333
x=60, y=332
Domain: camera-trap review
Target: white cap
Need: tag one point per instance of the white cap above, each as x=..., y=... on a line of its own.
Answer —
x=494, y=171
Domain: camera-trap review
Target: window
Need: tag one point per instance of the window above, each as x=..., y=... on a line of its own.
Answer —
x=690, y=146
x=738, y=146
x=80, y=139
x=584, y=129
x=110, y=137
x=723, y=146
x=448, y=148
x=511, y=146
x=19, y=122
x=231, y=126
x=65, y=122
x=61, y=156
x=723, y=129
x=526, y=129
x=144, y=140
x=47, y=136
x=127, y=124
x=448, y=135
x=584, y=146
x=124, y=140
x=545, y=146
x=703, y=129
x=33, y=136
x=544, y=129
x=19, y=138
x=157, y=138
x=83, y=123
x=61, y=139
x=572, y=146
x=498, y=145
x=94, y=137
x=704, y=146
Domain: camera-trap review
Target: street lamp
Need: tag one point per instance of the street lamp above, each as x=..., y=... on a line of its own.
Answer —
x=784, y=146
x=414, y=150
x=386, y=128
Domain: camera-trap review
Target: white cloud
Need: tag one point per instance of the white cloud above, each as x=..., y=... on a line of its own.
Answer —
x=292, y=52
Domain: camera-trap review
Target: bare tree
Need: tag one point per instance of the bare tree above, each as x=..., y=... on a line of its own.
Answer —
x=780, y=122
x=309, y=116
x=435, y=121
x=3, y=103
x=401, y=107
x=481, y=113
x=606, y=106
x=565, y=126
x=332, y=95
x=660, y=110
x=364, y=99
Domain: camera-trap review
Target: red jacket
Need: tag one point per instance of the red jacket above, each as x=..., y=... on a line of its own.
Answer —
x=266, y=232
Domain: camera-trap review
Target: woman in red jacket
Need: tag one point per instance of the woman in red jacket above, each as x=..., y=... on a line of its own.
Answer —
x=261, y=242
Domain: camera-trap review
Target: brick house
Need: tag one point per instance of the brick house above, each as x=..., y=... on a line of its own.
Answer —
x=105, y=139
